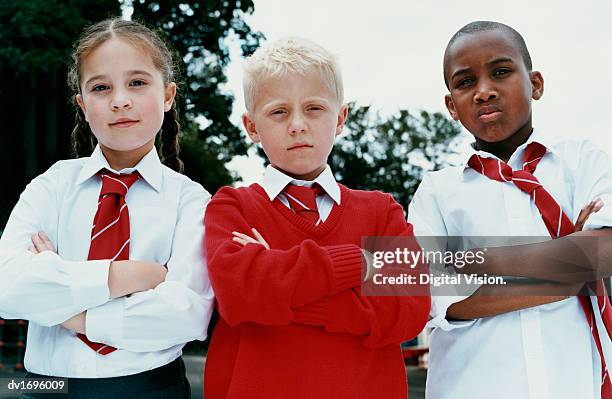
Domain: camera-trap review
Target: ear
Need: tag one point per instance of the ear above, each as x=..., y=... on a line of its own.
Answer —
x=450, y=105
x=251, y=129
x=169, y=94
x=342, y=114
x=81, y=104
x=537, y=85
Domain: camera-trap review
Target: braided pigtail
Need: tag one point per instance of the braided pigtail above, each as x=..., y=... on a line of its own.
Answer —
x=169, y=147
x=83, y=141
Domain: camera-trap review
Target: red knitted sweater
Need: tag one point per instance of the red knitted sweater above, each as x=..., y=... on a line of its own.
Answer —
x=293, y=324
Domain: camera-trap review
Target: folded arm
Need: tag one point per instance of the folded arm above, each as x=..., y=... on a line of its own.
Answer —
x=255, y=284
x=174, y=312
x=43, y=287
x=396, y=317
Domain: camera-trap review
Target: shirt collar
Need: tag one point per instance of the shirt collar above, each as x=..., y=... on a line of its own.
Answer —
x=534, y=137
x=274, y=181
x=149, y=167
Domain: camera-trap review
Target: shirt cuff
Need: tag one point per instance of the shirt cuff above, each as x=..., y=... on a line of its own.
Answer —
x=600, y=219
x=439, y=307
x=88, y=282
x=105, y=323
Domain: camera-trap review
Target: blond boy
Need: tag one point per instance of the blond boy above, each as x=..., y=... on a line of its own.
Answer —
x=284, y=255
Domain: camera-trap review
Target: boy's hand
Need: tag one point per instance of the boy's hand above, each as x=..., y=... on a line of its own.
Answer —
x=41, y=243
x=245, y=239
x=587, y=210
x=76, y=323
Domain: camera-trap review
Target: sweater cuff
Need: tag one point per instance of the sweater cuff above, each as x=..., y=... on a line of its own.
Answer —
x=346, y=264
x=313, y=314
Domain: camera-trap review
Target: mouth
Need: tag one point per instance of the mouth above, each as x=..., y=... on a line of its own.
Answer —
x=489, y=113
x=124, y=122
x=299, y=146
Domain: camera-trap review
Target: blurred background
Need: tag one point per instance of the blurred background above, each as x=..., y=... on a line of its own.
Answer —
x=390, y=52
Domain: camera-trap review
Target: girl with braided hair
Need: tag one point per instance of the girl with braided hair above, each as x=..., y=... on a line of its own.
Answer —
x=104, y=254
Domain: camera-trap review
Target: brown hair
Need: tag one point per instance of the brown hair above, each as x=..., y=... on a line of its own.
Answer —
x=83, y=140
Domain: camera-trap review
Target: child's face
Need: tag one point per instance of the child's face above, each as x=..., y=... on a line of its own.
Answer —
x=490, y=86
x=123, y=96
x=296, y=119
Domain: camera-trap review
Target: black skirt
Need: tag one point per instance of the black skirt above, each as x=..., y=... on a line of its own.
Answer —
x=165, y=382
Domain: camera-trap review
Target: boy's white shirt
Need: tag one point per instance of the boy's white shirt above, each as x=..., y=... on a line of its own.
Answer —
x=150, y=328
x=538, y=353
x=274, y=182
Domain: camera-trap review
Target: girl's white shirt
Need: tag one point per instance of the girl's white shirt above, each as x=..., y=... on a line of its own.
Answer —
x=149, y=328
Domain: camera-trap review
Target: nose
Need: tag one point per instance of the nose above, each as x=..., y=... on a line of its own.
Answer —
x=485, y=91
x=120, y=100
x=297, y=124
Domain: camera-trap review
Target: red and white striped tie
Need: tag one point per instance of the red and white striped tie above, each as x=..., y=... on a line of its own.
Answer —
x=110, y=234
x=558, y=225
x=303, y=201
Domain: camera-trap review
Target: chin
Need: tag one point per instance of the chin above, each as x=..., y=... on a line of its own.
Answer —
x=297, y=171
x=493, y=137
x=123, y=146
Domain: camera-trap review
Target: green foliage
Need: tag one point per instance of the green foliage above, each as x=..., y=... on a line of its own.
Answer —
x=201, y=32
x=201, y=164
x=37, y=35
x=391, y=153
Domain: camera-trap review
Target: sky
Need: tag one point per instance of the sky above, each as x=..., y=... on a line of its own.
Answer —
x=391, y=52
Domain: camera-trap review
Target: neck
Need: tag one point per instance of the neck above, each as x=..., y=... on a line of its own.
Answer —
x=306, y=177
x=505, y=148
x=125, y=159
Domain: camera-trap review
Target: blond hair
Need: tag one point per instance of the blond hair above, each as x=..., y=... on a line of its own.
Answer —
x=290, y=54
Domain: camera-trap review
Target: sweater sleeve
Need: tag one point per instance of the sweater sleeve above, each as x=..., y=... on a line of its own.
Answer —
x=263, y=286
x=396, y=317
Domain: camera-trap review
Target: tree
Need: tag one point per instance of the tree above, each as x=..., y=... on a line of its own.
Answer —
x=202, y=32
x=34, y=99
x=391, y=153
x=31, y=41
x=34, y=103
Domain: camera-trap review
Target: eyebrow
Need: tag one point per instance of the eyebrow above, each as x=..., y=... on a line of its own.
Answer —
x=128, y=73
x=93, y=78
x=460, y=72
x=317, y=98
x=500, y=60
x=272, y=104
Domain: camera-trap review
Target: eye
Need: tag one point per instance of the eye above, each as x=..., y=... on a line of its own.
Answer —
x=501, y=71
x=279, y=111
x=314, y=108
x=100, y=88
x=464, y=83
x=138, y=82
